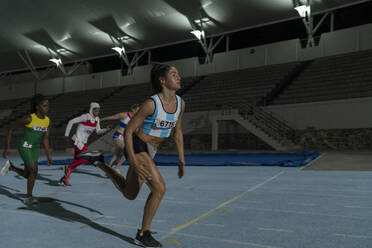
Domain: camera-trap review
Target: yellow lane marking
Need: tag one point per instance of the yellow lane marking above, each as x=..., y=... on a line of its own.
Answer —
x=172, y=240
x=218, y=208
x=201, y=218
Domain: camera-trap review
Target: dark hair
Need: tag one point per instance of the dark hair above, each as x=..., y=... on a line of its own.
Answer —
x=158, y=70
x=36, y=100
x=134, y=106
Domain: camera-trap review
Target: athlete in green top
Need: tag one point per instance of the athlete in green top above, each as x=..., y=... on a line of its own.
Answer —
x=36, y=130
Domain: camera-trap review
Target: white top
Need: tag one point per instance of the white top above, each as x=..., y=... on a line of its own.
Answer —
x=161, y=123
x=87, y=125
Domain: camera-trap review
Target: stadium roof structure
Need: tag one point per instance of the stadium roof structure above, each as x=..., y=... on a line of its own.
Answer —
x=33, y=33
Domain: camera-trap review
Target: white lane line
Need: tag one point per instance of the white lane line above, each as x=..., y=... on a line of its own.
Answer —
x=353, y=236
x=299, y=212
x=223, y=204
x=169, y=198
x=25, y=212
x=235, y=242
x=159, y=221
x=118, y=225
x=275, y=229
x=301, y=204
x=251, y=201
x=104, y=216
x=359, y=207
x=214, y=225
x=287, y=192
x=55, y=192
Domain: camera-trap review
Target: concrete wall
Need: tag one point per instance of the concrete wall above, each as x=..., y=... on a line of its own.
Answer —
x=340, y=114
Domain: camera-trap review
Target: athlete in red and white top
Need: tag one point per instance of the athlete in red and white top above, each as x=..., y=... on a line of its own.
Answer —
x=88, y=123
x=118, y=137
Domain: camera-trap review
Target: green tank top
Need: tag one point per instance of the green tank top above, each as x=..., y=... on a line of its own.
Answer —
x=34, y=131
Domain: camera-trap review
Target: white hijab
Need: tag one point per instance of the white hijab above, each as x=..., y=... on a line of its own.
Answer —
x=92, y=106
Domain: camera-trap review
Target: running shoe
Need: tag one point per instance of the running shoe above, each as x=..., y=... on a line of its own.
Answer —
x=68, y=171
x=92, y=157
x=5, y=168
x=30, y=200
x=65, y=181
x=117, y=170
x=146, y=240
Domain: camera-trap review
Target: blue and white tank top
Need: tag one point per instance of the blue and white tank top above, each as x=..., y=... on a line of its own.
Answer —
x=161, y=123
x=124, y=122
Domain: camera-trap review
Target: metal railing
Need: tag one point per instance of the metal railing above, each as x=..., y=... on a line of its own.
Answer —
x=267, y=122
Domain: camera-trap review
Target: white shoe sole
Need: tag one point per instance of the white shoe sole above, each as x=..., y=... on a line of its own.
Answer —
x=137, y=242
x=30, y=202
x=5, y=168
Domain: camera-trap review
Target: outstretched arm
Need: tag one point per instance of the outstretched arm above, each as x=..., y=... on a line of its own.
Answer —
x=24, y=121
x=117, y=116
x=100, y=130
x=178, y=140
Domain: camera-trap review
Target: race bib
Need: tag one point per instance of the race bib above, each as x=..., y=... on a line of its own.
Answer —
x=165, y=123
x=40, y=129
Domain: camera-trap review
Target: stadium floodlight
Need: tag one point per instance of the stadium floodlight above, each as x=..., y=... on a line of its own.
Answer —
x=303, y=10
x=198, y=34
x=58, y=62
x=119, y=50
x=124, y=38
x=201, y=21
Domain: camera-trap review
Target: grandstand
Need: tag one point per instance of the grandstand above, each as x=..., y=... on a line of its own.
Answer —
x=332, y=78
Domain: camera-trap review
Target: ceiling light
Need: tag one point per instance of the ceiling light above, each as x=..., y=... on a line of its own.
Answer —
x=61, y=50
x=303, y=10
x=124, y=38
x=66, y=37
x=202, y=20
x=119, y=50
x=207, y=4
x=58, y=62
x=198, y=34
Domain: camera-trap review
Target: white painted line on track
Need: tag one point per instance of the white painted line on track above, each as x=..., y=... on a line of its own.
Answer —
x=299, y=212
x=159, y=221
x=251, y=201
x=275, y=229
x=301, y=204
x=235, y=242
x=214, y=225
x=359, y=207
x=105, y=216
x=25, y=212
x=353, y=236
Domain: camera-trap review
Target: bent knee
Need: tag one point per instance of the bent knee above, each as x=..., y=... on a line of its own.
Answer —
x=130, y=197
x=159, y=190
x=32, y=170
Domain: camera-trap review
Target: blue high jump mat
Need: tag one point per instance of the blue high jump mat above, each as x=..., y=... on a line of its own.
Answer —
x=296, y=159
